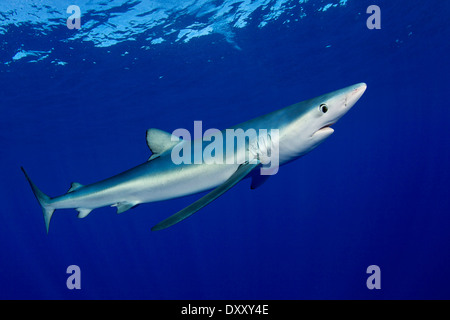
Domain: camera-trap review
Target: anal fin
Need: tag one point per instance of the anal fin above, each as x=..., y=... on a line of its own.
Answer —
x=83, y=212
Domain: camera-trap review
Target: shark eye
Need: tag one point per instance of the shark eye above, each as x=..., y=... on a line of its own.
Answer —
x=323, y=107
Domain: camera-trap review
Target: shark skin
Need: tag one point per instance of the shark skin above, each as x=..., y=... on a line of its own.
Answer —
x=301, y=126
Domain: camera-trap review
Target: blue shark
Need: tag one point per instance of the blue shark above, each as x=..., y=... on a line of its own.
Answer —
x=301, y=127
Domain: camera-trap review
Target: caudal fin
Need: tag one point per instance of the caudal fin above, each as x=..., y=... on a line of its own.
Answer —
x=43, y=199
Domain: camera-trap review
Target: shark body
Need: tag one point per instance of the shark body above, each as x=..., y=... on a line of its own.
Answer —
x=301, y=127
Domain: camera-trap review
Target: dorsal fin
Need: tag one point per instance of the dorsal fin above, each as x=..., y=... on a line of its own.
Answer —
x=74, y=186
x=159, y=141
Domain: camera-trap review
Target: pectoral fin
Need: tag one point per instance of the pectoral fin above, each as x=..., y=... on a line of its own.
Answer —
x=240, y=173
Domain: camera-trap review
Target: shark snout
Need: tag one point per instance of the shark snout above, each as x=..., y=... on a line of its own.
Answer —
x=343, y=101
x=355, y=93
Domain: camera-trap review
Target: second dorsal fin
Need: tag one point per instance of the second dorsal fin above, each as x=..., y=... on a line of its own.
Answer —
x=75, y=186
x=160, y=141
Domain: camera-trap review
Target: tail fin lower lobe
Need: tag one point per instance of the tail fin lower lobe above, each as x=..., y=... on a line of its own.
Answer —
x=43, y=200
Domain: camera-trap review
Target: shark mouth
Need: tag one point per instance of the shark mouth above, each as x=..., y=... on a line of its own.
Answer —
x=326, y=129
x=327, y=126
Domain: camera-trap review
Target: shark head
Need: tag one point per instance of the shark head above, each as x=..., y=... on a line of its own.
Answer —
x=330, y=108
x=311, y=120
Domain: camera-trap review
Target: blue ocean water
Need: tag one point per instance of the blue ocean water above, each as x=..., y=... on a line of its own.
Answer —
x=75, y=106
